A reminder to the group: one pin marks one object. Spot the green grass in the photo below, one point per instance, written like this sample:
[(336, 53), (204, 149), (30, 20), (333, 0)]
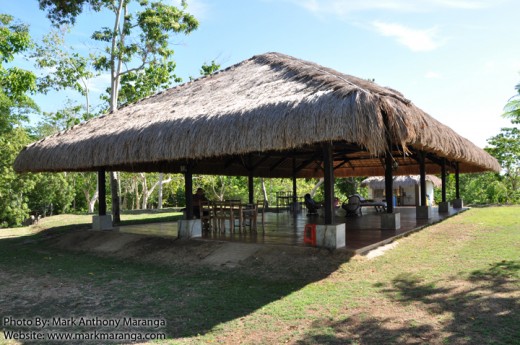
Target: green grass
[(457, 282), (74, 221), (150, 216)]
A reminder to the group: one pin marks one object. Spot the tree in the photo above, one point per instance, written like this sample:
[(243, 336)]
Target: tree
[(15, 82), (209, 69), (136, 49), (505, 147), (14, 208), (512, 108), (70, 70)]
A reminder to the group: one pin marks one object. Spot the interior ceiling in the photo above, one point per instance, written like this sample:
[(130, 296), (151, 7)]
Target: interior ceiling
[(304, 162)]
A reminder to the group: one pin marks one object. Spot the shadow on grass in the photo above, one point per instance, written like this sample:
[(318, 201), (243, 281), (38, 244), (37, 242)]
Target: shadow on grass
[(158, 219), (39, 280), (483, 308)]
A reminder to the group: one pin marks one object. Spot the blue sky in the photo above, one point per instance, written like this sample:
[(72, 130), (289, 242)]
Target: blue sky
[(458, 60)]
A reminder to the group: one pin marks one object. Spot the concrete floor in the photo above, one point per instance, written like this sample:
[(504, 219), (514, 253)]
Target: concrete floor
[(363, 233)]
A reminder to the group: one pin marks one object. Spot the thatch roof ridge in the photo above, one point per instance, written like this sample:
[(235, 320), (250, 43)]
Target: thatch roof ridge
[(304, 68), (268, 102)]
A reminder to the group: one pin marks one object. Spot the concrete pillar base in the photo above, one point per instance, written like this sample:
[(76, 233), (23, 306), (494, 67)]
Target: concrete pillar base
[(190, 228), (330, 236), (444, 207), (391, 221), (423, 212), (458, 203), (102, 222)]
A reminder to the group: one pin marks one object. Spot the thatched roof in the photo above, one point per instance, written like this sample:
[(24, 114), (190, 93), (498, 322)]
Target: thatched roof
[(266, 115), (378, 182)]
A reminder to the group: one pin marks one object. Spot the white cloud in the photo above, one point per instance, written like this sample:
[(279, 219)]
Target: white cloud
[(99, 83), (344, 7), (197, 8), (415, 40), (433, 75)]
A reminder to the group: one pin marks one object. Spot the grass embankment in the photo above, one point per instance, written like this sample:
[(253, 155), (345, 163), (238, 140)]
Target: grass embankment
[(457, 282), (83, 221)]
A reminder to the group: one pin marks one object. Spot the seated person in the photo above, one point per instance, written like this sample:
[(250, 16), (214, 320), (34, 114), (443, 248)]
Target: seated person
[(312, 206), (197, 198)]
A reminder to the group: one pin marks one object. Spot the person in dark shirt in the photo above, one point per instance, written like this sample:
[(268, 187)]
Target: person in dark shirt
[(197, 198)]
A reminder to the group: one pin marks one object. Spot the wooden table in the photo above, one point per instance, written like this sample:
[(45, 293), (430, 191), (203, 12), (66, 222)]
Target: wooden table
[(231, 211)]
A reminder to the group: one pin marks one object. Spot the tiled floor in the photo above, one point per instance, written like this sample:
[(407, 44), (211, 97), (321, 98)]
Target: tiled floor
[(362, 232)]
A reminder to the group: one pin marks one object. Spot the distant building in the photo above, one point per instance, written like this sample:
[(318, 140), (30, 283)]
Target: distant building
[(407, 189)]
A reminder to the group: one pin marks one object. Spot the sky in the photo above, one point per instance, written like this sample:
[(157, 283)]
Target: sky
[(458, 60)]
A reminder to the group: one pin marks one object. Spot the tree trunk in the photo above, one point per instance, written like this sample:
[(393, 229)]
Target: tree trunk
[(137, 196), (91, 201), (145, 193), (316, 186), (159, 191), (114, 189), (114, 84), (264, 192)]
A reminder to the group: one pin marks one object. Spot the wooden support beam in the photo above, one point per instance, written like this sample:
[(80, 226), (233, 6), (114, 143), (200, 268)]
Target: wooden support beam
[(443, 179), (230, 161), (422, 173), (277, 163), (389, 165), (389, 183), (102, 193), (305, 163), (457, 181), (341, 164), (328, 183), (294, 187), (259, 162)]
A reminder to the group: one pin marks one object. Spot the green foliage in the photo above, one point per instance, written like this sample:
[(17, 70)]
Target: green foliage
[(348, 186), (15, 83), (136, 52), (14, 39), (65, 12), (60, 120), (137, 85), (505, 147), (512, 108), (69, 68), (141, 42), (209, 69), (52, 194), (14, 207)]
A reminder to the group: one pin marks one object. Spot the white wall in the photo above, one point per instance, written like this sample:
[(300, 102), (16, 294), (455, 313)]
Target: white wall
[(408, 196)]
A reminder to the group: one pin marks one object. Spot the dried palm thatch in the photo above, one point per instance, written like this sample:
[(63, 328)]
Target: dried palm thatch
[(271, 103), (378, 182)]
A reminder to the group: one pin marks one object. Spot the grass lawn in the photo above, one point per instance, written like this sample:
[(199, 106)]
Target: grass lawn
[(457, 282)]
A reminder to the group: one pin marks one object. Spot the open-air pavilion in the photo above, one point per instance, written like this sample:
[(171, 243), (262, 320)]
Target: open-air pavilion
[(269, 116)]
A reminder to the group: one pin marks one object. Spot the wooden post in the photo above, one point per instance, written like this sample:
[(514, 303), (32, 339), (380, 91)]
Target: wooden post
[(389, 183), (457, 182), (422, 172), (102, 193), (443, 179), (328, 183), (294, 190), (251, 188), (188, 192)]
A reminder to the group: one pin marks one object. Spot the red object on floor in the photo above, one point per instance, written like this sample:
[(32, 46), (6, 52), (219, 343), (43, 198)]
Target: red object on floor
[(309, 234)]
